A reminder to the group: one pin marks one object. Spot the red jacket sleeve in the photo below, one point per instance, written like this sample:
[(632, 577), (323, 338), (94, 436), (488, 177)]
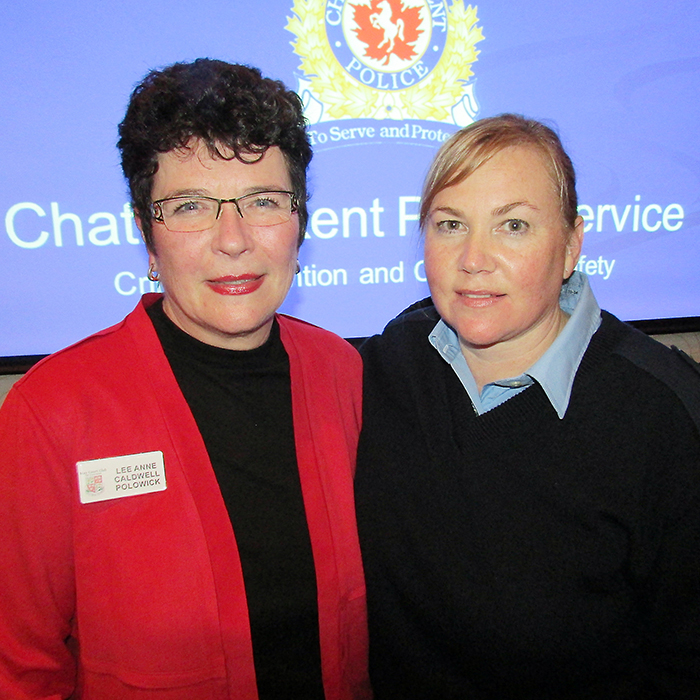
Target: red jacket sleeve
[(36, 576)]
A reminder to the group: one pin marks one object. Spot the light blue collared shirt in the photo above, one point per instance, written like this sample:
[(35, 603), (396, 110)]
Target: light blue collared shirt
[(555, 371)]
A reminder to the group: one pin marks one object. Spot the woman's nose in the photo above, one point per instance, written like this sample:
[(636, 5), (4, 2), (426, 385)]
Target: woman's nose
[(233, 234), (476, 255)]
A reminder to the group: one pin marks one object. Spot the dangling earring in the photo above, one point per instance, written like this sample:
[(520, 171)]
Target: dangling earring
[(153, 273), (298, 270)]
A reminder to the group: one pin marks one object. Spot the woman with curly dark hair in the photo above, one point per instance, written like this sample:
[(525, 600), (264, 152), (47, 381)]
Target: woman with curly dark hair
[(193, 536)]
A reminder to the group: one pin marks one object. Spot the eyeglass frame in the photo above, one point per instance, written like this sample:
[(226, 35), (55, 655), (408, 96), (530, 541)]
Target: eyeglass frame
[(157, 209)]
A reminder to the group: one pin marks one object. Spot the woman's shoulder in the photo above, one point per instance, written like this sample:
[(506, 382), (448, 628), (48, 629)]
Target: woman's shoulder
[(647, 353), (107, 353), (402, 356), (407, 333), (309, 337), (656, 363)]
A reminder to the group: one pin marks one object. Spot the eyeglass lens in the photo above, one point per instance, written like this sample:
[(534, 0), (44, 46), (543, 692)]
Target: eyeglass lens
[(199, 213)]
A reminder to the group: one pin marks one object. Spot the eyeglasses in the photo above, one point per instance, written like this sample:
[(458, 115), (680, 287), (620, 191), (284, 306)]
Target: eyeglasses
[(186, 214)]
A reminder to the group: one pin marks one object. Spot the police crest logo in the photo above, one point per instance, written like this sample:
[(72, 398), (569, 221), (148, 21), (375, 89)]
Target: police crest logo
[(386, 59), (386, 39)]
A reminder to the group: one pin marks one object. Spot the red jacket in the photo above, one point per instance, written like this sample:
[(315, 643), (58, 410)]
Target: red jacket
[(145, 593)]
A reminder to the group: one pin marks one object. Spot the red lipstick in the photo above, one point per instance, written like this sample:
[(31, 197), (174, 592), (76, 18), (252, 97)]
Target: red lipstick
[(235, 285)]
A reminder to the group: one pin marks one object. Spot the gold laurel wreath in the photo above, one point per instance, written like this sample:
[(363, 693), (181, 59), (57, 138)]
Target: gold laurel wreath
[(347, 98)]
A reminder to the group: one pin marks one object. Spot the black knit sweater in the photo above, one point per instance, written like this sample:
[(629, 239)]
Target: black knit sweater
[(242, 404), (517, 555)]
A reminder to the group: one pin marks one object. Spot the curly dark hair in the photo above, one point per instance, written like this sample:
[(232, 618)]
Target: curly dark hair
[(222, 104)]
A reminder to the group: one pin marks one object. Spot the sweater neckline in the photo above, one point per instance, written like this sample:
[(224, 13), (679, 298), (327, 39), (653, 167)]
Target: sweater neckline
[(177, 342)]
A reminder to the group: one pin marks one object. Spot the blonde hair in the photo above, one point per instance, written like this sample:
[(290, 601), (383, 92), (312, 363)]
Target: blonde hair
[(477, 143)]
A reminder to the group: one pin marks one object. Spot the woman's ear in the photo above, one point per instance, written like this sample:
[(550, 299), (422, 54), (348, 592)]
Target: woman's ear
[(139, 225), (573, 247)]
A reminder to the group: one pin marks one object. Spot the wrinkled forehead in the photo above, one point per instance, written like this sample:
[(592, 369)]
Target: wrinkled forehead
[(197, 164)]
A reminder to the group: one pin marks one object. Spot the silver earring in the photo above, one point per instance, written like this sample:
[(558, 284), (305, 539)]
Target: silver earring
[(153, 273), (298, 270)]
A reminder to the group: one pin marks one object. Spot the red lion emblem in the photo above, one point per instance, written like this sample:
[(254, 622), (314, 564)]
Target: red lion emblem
[(387, 27)]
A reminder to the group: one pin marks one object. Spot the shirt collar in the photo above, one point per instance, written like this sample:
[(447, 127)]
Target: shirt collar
[(556, 370)]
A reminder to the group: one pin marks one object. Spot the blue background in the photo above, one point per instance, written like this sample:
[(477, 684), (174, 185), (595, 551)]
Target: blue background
[(621, 82)]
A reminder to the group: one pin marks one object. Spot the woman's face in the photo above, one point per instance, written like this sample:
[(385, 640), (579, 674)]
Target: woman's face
[(223, 285), (496, 253)]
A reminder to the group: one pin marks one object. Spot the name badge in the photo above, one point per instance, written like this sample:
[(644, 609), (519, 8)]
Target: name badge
[(116, 477)]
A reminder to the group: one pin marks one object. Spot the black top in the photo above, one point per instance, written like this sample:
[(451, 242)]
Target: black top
[(242, 404), (517, 555)]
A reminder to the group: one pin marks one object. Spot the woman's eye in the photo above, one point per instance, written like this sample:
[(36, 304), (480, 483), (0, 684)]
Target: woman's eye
[(188, 206), (266, 201), (450, 226), (516, 226)]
